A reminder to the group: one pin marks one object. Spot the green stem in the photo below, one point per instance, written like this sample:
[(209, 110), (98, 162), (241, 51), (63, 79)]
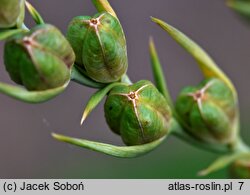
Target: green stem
[(215, 148), (103, 5), (80, 78), (5, 34)]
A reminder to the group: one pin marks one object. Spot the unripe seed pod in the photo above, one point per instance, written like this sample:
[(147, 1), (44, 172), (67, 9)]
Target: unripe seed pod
[(11, 13), (209, 111), (240, 169), (100, 46), (139, 113), (40, 59)]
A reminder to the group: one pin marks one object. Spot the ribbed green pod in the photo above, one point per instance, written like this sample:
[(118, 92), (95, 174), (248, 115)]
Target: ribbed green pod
[(139, 113), (11, 13), (100, 46), (209, 111), (40, 59)]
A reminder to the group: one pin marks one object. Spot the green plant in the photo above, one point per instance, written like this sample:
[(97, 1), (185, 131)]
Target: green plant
[(241, 7), (143, 114)]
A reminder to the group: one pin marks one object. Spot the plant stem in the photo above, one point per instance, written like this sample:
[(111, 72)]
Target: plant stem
[(215, 148), (239, 146), (80, 78)]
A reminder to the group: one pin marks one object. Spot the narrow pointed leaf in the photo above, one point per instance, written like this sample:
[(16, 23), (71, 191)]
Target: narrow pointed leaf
[(24, 27), (206, 63), (103, 5), (30, 96), (96, 98), (242, 7), (5, 34), (222, 162), (82, 79), (117, 151), (158, 73), (34, 13)]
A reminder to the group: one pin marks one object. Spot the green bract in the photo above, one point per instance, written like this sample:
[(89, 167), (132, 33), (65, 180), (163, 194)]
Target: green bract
[(40, 59), (209, 111), (240, 169), (100, 46), (242, 7), (139, 113), (11, 13)]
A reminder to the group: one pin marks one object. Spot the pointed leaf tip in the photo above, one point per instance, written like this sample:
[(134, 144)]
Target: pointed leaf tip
[(54, 135), (202, 173), (34, 13), (207, 65), (152, 18), (151, 41), (84, 116), (112, 150), (96, 98), (24, 95), (222, 162)]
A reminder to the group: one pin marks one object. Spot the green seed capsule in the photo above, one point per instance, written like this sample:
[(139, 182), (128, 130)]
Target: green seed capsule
[(11, 13), (100, 46), (139, 113), (240, 169), (40, 59), (209, 111)]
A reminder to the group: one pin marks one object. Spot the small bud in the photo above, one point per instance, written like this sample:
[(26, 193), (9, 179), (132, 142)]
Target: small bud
[(11, 13), (40, 59), (209, 111), (139, 113), (240, 169), (100, 46)]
